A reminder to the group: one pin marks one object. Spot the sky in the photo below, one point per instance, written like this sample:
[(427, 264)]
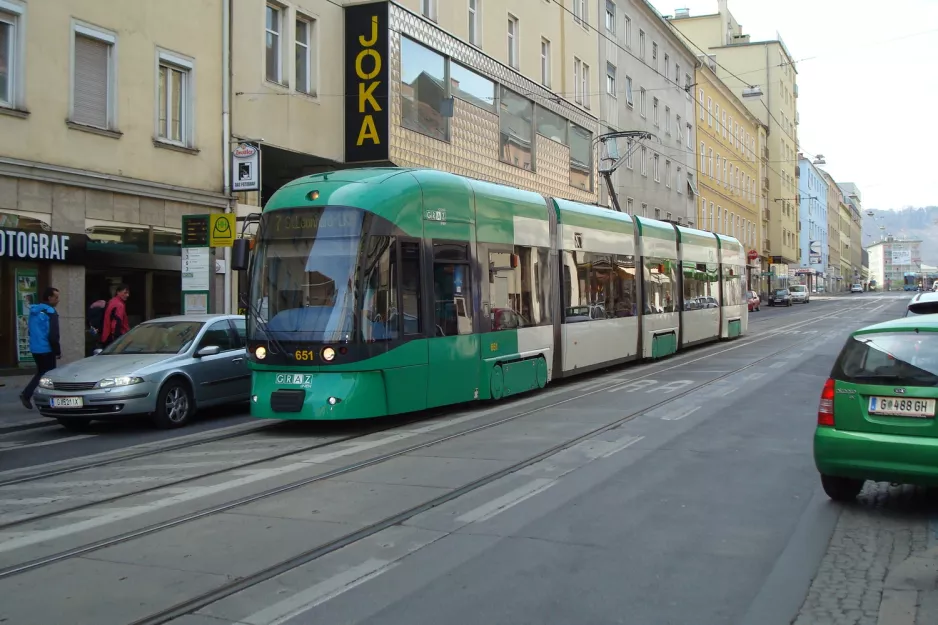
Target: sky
[(867, 87)]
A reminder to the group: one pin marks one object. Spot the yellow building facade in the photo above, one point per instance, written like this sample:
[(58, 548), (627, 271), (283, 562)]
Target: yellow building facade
[(728, 162)]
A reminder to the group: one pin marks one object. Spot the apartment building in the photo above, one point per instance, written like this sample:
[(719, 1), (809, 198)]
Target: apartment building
[(835, 281), (648, 73), (763, 75), (502, 92), (892, 259), (111, 118), (814, 230), (728, 152)]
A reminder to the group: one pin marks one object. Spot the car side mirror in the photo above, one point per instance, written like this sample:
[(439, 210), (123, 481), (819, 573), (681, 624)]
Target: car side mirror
[(97, 351), (209, 350)]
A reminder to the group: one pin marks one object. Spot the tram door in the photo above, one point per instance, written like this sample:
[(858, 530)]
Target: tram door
[(454, 348)]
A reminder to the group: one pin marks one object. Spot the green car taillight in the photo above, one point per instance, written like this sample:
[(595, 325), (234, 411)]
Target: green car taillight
[(825, 409)]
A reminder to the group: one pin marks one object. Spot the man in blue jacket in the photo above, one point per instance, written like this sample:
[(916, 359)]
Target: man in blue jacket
[(43, 340)]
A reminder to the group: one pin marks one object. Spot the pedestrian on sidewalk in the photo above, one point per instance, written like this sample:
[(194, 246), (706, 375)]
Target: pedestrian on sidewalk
[(116, 323), (44, 340)]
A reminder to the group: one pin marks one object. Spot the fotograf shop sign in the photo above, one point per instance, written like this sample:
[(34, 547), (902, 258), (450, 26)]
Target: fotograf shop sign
[(366, 83), (245, 168), (29, 245)]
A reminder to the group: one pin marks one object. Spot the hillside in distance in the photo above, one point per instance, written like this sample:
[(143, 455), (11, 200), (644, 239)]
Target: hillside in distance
[(905, 223)]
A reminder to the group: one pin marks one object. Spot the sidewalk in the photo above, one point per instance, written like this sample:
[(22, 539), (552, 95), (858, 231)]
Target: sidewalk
[(13, 416)]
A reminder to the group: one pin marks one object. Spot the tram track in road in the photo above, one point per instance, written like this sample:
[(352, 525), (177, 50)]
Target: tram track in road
[(307, 556), (169, 449)]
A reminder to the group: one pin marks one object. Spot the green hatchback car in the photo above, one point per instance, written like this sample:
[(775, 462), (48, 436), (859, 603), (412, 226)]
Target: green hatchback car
[(876, 418)]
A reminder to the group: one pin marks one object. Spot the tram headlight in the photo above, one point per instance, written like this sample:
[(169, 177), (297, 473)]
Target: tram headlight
[(261, 352), (328, 354), (333, 401)]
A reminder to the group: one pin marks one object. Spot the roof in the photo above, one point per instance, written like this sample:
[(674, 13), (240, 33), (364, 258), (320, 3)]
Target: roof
[(903, 324), (924, 296)]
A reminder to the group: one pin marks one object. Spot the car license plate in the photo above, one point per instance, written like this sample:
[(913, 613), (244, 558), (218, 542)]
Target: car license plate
[(902, 407), (66, 402)]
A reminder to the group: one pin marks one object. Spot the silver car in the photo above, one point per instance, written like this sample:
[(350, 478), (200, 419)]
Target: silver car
[(166, 368)]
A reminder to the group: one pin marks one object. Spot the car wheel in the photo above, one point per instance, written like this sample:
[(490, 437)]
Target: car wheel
[(841, 488), (75, 425), (174, 405)]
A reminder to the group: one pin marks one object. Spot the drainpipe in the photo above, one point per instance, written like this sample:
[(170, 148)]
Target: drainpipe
[(226, 133)]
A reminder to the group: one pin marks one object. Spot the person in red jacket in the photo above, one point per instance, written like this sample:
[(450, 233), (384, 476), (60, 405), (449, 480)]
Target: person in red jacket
[(116, 323)]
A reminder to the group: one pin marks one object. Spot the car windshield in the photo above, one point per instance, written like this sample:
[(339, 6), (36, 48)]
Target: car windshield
[(781, 292), (922, 308), (900, 358), (798, 289), (156, 337), (324, 274)]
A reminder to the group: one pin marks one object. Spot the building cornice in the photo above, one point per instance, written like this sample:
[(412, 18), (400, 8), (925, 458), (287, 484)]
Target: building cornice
[(57, 174)]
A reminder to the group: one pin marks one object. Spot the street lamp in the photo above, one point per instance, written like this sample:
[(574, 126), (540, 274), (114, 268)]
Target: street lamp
[(819, 160), (752, 91)]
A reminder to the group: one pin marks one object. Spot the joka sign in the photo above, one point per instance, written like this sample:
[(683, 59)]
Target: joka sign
[(366, 83)]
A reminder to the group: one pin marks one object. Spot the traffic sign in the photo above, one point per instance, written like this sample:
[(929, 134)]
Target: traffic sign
[(222, 230)]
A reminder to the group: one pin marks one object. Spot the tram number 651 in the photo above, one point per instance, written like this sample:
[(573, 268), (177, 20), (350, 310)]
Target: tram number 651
[(304, 355)]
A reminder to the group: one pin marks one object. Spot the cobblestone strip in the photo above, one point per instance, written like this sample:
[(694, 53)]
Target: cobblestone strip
[(872, 537)]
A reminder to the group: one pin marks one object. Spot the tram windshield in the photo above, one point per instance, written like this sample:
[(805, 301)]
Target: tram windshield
[(322, 275)]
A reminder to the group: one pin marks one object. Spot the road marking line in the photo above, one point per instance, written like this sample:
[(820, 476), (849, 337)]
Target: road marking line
[(625, 442), (755, 375), (84, 483), (320, 593), (778, 364), (680, 416), (17, 446), (505, 502)]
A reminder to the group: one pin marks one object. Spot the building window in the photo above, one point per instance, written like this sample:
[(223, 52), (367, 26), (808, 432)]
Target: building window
[(93, 101), (545, 62), (724, 124), (274, 63), (641, 44), (630, 206), (611, 16), (551, 125), (513, 41), (677, 74), (581, 158), (11, 57), (305, 72), (710, 112), (654, 55), (516, 126), (628, 91), (710, 163), (428, 8), (703, 158), (474, 23), (585, 85), (689, 136), (654, 110), (644, 209), (422, 92), (667, 65), (657, 172), (628, 32), (667, 120), (700, 98), (644, 161), (667, 173), (657, 213), (641, 101), (610, 79), (577, 68), (580, 11), (175, 99), (677, 181)]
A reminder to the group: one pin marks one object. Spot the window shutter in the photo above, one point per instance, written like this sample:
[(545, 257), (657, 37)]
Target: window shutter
[(91, 81)]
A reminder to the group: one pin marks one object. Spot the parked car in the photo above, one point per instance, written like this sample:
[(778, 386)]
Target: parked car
[(856, 288), (925, 303), (876, 418), (165, 368), (780, 297), (754, 301), (799, 294)]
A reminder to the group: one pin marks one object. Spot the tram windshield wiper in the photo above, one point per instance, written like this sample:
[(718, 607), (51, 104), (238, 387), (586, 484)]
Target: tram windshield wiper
[(278, 346)]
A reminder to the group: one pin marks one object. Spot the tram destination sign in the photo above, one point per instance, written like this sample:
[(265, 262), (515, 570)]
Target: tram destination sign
[(195, 230), (28, 245)]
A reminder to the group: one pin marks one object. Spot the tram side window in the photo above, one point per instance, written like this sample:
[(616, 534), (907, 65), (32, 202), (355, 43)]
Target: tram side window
[(598, 286), (452, 299), (733, 285), (701, 286), (519, 288), (379, 315), (410, 288), (660, 286)]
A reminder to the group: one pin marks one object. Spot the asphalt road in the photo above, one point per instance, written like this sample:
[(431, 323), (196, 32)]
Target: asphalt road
[(677, 492)]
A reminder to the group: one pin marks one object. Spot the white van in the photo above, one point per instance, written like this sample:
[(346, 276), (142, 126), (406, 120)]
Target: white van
[(799, 294)]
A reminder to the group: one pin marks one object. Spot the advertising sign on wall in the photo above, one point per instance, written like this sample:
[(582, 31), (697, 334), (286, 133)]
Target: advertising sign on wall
[(367, 67), (902, 257), (27, 294)]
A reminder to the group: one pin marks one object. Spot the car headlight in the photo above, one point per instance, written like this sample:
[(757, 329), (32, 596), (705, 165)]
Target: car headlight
[(46, 383), (124, 380)]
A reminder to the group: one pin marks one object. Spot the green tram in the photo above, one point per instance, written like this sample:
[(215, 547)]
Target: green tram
[(387, 290)]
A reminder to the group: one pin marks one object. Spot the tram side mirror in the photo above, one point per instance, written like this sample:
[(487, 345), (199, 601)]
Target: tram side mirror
[(240, 254)]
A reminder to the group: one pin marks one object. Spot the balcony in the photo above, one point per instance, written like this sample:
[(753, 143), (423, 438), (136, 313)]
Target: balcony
[(765, 183), (766, 214)]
